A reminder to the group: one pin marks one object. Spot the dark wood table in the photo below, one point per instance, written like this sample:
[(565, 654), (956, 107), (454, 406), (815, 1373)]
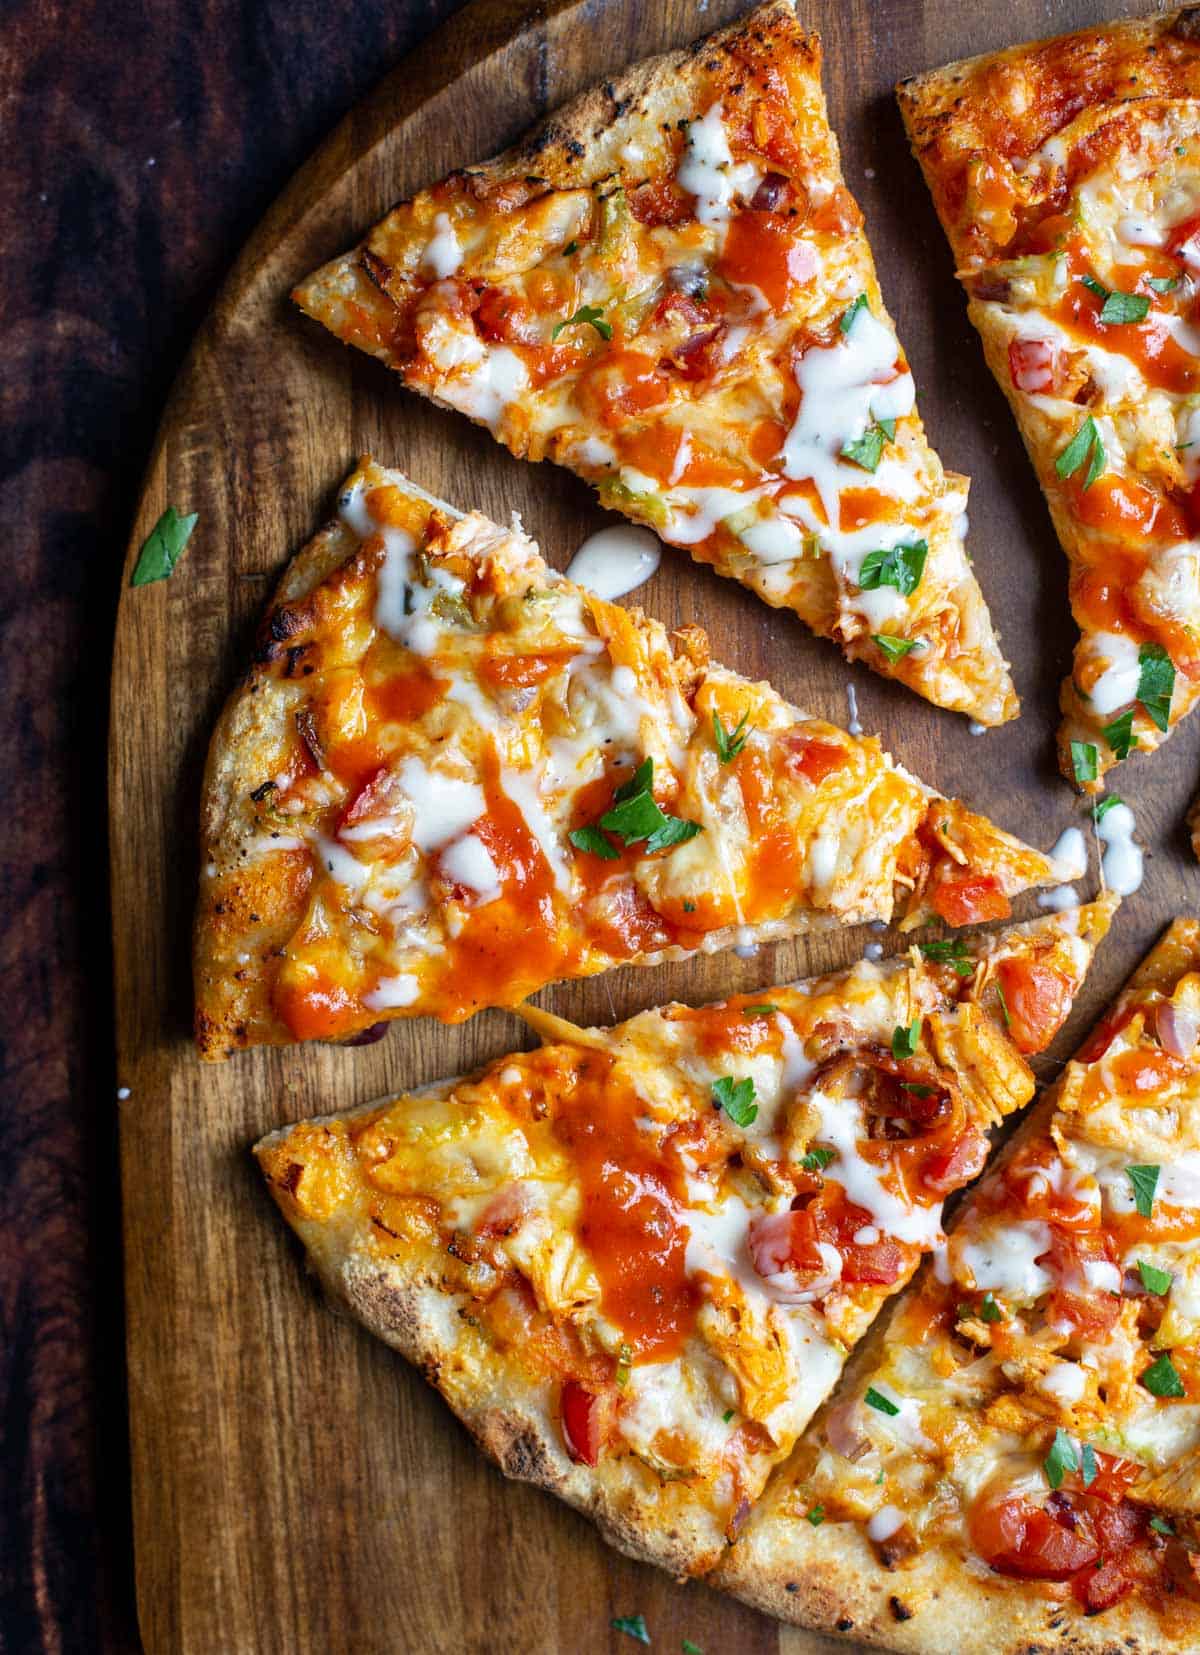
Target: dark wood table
[(142, 143)]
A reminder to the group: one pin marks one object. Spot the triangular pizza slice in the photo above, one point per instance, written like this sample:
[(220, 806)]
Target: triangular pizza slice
[(1067, 177), (667, 288), (442, 747), (633, 1260), (1014, 1462)]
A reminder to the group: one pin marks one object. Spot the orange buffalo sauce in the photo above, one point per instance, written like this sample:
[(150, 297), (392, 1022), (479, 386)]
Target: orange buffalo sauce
[(762, 250), (315, 1005), (1159, 356), (630, 1216)]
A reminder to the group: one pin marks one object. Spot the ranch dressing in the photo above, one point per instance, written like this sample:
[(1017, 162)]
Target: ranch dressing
[(614, 561), (1121, 863)]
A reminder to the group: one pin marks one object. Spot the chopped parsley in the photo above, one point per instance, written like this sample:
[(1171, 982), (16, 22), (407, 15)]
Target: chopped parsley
[(592, 315), (163, 547), (1084, 761), (1163, 284), (1087, 1464), (1060, 1459), (730, 742), (882, 1404), (591, 839), (952, 953), (1003, 1007), (850, 314), (689, 907), (1154, 1280), (634, 816), (867, 450), (1156, 683), (894, 648), (763, 1010), (1119, 734), (1086, 442), (1118, 307), (816, 1160), (1161, 1526), (634, 1626), (1145, 1182), (904, 1040), (898, 566), (1161, 1378), (816, 1516), (1109, 802), (727, 1415), (571, 247), (736, 1098), (989, 1310), (689, 1648)]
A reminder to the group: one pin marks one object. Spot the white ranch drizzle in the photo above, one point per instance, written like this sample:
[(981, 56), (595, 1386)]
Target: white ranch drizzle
[(1121, 865), (615, 560)]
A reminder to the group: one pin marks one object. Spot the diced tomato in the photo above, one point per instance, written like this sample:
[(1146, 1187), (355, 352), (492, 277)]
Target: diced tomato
[(814, 759), (660, 202), (1091, 1308), (583, 1420), (1035, 1179), (1016, 1537), (1038, 999), (786, 1242), (505, 316), (1033, 364), (1145, 1072), (965, 898), (623, 383), (838, 1221), (949, 1169)]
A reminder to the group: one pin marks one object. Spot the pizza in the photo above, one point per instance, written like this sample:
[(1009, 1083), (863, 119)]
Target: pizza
[(633, 1260), (441, 745), (1065, 175), (1014, 1463), (666, 287)]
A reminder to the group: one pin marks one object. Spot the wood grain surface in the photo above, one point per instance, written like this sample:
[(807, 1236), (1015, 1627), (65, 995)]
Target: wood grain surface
[(295, 1486)]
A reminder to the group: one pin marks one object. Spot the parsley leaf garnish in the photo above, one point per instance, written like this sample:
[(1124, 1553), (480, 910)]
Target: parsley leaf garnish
[(1084, 761), (1161, 1526), (1003, 1007), (867, 450), (591, 839), (634, 1626), (817, 1160), (727, 1415), (1118, 307), (1119, 734), (816, 1516), (763, 1010), (882, 1404), (953, 953), (904, 1040), (1161, 1378), (1154, 1280), (894, 648), (898, 566), (1085, 442), (634, 816), (1109, 802), (1163, 284), (850, 314), (1060, 1459), (730, 742), (1156, 683), (163, 547), (736, 1098), (689, 1648), (593, 315), (989, 1310), (1145, 1182), (1087, 1467)]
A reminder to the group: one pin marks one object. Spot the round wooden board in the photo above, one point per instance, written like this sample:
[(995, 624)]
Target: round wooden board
[(296, 1487)]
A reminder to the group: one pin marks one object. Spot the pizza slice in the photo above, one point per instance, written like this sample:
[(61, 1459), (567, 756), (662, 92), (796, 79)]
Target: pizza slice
[(633, 1260), (666, 287), (1067, 177), (1015, 1462), (443, 746)]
